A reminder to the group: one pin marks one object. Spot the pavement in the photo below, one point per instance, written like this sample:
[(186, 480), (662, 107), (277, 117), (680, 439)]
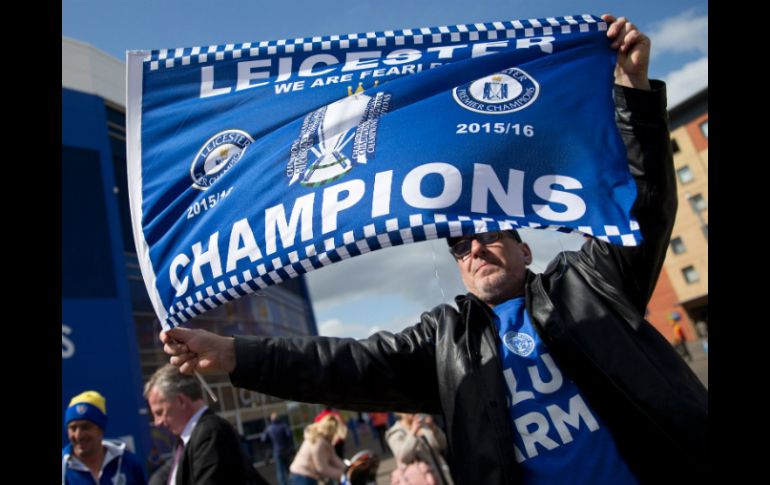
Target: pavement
[(700, 361), (387, 465)]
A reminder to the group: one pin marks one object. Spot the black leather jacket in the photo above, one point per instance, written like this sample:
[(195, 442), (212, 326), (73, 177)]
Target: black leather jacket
[(588, 308)]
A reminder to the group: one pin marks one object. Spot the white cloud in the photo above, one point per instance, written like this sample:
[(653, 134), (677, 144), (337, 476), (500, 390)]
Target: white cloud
[(359, 330), (685, 33), (546, 245), (333, 328), (423, 273), (408, 271), (686, 81)]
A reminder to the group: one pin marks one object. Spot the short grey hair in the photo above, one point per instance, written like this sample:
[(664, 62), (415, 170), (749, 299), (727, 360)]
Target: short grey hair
[(170, 382)]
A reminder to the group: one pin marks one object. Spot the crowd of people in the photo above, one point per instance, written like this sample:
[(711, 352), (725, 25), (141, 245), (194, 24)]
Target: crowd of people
[(207, 447)]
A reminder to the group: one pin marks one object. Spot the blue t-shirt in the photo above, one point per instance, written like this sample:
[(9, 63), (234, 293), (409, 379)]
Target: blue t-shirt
[(558, 438)]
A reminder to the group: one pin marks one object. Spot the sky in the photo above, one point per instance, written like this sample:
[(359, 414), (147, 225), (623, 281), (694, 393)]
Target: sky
[(386, 289)]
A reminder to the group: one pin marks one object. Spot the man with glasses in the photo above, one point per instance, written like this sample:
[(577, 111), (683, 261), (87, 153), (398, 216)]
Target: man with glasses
[(540, 378), (493, 265)]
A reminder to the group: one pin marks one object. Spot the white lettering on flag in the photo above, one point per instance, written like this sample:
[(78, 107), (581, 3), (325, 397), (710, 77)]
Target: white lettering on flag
[(236, 164)]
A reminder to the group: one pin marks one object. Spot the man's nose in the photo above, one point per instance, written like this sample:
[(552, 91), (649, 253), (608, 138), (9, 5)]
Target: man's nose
[(476, 247)]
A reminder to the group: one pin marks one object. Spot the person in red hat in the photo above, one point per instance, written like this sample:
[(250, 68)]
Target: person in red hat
[(338, 442)]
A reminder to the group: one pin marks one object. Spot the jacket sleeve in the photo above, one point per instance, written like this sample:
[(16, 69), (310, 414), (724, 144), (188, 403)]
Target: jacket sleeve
[(642, 120), (383, 372)]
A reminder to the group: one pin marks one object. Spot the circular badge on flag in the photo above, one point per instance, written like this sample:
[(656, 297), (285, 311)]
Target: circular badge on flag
[(519, 343), (217, 156), (500, 93)]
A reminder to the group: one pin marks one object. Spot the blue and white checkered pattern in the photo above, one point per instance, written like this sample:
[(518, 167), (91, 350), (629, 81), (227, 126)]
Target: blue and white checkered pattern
[(394, 195), (490, 31), (378, 235)]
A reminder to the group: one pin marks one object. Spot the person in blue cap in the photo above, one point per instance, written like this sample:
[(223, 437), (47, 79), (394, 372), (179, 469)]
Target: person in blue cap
[(89, 458)]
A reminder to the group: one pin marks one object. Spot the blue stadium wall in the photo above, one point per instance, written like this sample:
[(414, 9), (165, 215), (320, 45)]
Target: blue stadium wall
[(99, 347)]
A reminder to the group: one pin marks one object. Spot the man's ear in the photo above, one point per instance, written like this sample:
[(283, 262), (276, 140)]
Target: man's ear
[(527, 253)]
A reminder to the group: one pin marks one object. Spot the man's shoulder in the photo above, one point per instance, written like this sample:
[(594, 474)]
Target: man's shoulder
[(210, 422), (397, 427), (431, 320), (211, 419), (443, 310)]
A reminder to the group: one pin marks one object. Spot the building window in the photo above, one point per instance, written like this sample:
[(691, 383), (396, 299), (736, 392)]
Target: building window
[(704, 128), (677, 246), (674, 146), (698, 203), (706, 231), (690, 274), (685, 175)]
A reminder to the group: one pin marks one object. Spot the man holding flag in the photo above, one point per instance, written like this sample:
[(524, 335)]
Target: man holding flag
[(540, 378)]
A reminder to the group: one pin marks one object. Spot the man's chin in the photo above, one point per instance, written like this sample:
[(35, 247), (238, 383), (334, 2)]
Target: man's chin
[(81, 450), (490, 282), (494, 289)]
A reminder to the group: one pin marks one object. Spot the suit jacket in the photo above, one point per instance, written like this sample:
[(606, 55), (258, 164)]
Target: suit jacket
[(213, 456)]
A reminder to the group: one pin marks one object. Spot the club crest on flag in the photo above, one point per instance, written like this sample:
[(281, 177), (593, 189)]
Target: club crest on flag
[(499, 93), (217, 156), (326, 134)]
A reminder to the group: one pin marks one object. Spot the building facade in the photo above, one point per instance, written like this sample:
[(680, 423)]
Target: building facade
[(682, 291), (109, 329)]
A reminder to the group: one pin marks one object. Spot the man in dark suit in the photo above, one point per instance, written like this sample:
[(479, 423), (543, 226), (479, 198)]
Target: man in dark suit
[(208, 449)]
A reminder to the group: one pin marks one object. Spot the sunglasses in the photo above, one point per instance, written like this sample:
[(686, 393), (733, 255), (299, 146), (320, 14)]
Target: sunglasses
[(462, 248)]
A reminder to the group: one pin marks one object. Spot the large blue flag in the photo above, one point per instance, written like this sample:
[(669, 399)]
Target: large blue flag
[(252, 163)]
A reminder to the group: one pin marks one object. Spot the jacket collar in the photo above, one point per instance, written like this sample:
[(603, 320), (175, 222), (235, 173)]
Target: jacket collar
[(112, 450), (188, 429)]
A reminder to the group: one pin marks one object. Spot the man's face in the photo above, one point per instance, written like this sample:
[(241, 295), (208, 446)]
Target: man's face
[(495, 272), (85, 436), (172, 413)]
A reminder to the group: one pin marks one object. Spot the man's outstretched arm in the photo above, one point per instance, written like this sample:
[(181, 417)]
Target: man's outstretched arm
[(385, 371)]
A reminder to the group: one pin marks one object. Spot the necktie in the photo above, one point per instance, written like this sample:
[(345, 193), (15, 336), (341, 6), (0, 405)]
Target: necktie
[(175, 465)]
